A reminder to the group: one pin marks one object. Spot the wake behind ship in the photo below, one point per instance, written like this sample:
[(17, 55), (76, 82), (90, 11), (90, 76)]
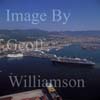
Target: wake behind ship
[(72, 61)]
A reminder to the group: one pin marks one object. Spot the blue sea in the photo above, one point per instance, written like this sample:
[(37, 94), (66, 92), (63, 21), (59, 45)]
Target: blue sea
[(45, 68)]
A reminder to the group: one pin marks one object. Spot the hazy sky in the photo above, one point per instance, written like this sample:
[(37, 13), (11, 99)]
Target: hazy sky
[(85, 14)]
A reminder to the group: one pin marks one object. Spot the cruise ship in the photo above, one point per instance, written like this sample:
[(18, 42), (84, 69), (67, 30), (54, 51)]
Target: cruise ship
[(15, 55), (72, 61)]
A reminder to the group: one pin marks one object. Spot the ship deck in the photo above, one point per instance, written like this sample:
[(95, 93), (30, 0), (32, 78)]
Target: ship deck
[(72, 60), (30, 95)]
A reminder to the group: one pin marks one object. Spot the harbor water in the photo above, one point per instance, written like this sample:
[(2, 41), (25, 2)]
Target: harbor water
[(46, 70)]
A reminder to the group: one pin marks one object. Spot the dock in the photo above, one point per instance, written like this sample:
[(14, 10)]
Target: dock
[(29, 95)]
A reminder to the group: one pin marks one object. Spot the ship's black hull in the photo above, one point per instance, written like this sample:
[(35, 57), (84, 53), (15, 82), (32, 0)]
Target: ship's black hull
[(73, 64)]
